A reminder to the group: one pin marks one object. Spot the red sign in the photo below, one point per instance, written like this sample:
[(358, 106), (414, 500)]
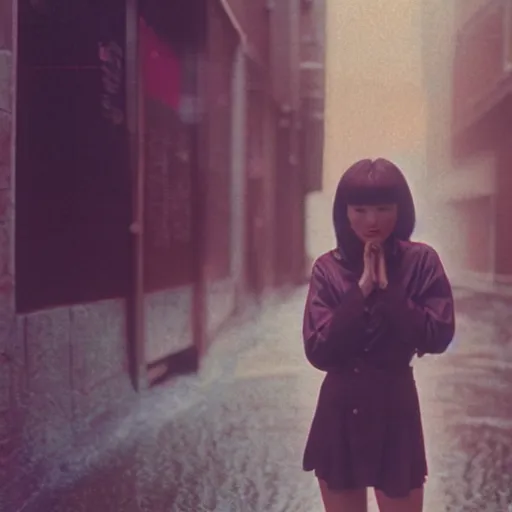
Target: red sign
[(161, 68)]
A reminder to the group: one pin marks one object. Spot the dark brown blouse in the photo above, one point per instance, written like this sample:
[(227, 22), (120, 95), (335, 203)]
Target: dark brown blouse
[(367, 427)]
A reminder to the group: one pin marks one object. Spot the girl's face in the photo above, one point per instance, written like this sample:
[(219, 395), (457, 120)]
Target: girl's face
[(372, 223)]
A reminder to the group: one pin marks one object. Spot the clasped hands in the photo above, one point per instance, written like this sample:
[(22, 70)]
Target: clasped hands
[(374, 273)]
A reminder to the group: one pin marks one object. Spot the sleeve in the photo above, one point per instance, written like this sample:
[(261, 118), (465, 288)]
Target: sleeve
[(428, 319), (331, 325)]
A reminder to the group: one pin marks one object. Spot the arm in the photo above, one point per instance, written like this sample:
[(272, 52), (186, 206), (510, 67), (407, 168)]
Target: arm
[(331, 326), (428, 320)]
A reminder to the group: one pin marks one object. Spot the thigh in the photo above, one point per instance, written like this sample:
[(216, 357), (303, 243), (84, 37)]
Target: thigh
[(343, 501), (412, 503)]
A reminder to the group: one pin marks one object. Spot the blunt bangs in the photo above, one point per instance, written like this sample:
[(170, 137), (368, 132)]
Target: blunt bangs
[(369, 182)]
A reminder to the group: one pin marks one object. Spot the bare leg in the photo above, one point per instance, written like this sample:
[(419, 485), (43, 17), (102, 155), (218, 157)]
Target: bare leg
[(412, 503), (343, 501)]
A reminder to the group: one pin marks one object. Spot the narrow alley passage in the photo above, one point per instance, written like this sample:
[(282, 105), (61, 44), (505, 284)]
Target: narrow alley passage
[(156, 160), (232, 438)]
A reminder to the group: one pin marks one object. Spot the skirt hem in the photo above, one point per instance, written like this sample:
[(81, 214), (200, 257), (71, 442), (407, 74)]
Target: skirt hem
[(392, 494)]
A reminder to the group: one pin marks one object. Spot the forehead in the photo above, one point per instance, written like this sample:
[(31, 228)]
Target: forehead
[(372, 206)]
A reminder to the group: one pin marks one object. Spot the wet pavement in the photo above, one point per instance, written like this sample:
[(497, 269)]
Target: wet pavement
[(231, 439)]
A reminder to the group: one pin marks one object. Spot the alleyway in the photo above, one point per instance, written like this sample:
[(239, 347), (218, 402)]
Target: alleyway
[(232, 439)]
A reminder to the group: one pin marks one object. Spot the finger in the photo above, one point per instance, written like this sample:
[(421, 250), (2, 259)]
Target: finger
[(376, 251), (377, 268), (367, 249), (373, 268), (383, 278), (371, 271), (367, 255)]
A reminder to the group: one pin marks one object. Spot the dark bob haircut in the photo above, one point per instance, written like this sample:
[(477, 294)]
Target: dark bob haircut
[(373, 182)]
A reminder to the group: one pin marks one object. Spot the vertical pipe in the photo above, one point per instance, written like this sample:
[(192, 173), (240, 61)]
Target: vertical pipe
[(238, 175), (199, 193), (135, 129), (198, 200)]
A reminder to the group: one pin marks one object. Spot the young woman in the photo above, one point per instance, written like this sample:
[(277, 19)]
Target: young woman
[(374, 302)]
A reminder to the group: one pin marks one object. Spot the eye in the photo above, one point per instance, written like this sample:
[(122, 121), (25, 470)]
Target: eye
[(385, 208), (360, 209)]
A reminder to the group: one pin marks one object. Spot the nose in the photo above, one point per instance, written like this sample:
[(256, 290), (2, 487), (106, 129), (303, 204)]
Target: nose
[(371, 219)]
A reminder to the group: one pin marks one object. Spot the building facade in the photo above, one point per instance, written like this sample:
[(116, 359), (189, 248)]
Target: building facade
[(161, 175), (481, 133), (469, 88)]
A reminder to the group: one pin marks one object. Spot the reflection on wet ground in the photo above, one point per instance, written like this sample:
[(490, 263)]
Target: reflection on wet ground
[(232, 439)]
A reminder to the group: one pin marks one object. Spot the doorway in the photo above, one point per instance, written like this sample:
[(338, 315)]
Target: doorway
[(171, 39)]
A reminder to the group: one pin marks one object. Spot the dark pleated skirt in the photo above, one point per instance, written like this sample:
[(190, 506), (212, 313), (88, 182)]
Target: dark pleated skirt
[(367, 431)]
